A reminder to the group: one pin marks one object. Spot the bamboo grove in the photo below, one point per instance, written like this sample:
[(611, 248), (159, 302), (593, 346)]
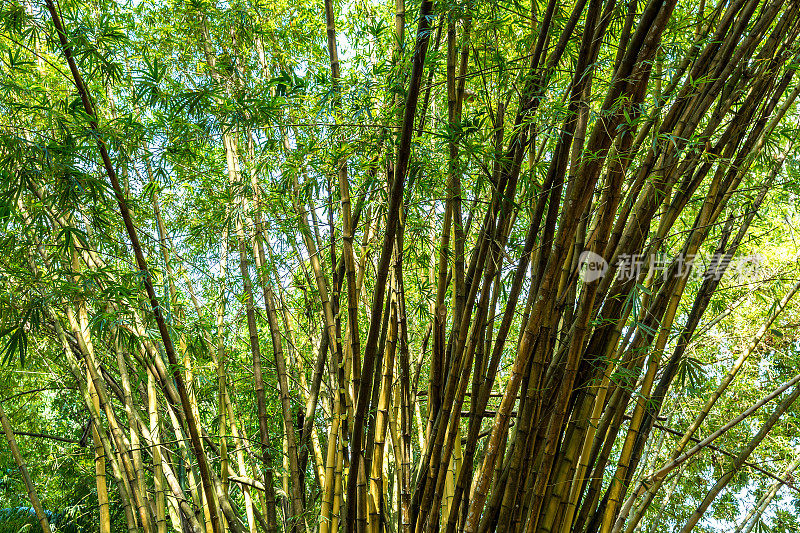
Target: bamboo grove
[(322, 267)]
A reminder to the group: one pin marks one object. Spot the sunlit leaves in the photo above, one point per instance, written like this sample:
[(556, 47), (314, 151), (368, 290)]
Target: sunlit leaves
[(12, 16), (15, 337), (148, 80), (691, 373)]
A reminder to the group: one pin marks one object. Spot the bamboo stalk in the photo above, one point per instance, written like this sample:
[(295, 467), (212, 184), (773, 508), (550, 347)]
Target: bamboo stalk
[(140, 261), (395, 200), (23, 470), (255, 350), (158, 472)]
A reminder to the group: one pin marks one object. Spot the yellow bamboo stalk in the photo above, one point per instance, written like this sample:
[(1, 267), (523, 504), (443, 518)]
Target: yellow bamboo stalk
[(183, 449), (376, 488), (338, 484), (241, 437), (23, 470), (332, 470), (99, 467), (80, 329), (99, 454), (304, 389), (158, 472), (95, 417)]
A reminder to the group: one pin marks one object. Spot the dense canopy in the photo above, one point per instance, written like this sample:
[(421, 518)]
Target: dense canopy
[(410, 266)]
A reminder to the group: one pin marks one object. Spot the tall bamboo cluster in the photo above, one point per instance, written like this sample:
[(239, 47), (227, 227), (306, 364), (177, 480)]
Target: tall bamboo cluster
[(525, 397)]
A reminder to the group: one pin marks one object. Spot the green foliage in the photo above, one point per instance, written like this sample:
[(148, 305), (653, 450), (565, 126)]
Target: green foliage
[(173, 81)]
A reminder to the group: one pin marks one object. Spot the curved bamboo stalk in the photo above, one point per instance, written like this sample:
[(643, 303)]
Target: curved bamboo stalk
[(23, 470)]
